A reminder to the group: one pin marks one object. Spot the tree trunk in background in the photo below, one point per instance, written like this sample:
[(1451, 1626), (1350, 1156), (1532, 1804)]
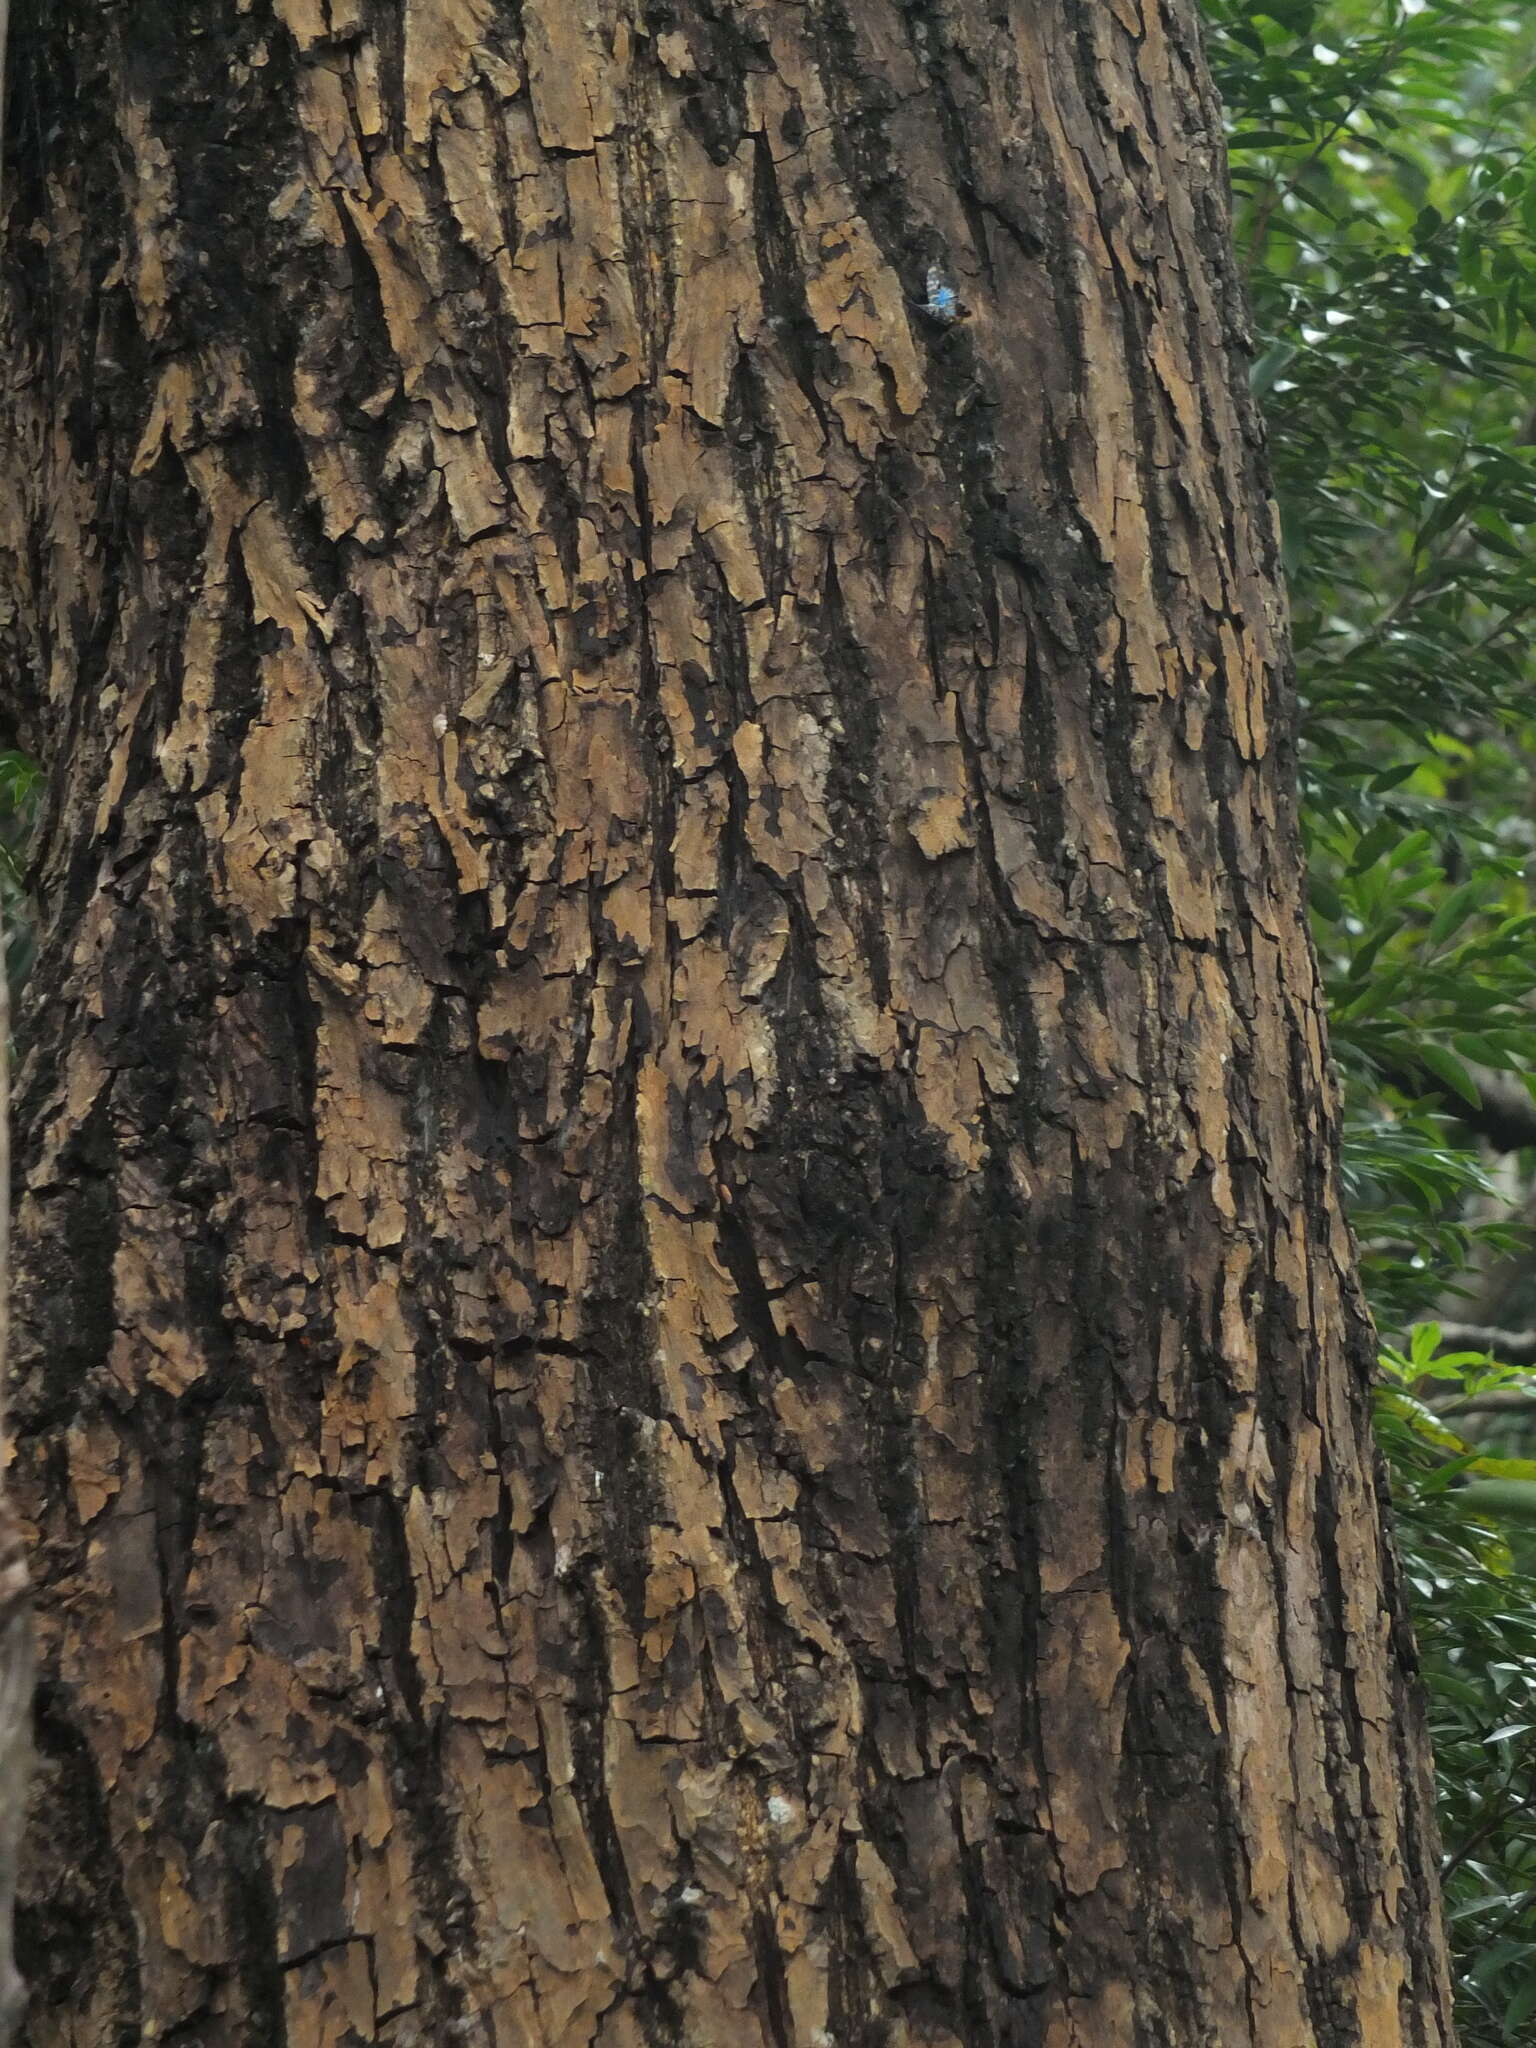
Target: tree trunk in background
[(687, 1365)]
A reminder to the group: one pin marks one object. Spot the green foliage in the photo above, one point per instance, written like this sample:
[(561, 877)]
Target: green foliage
[(1384, 161), (18, 802), (1469, 1550), (18, 790)]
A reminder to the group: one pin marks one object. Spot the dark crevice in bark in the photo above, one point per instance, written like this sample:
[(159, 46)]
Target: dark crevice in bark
[(415, 1743), (78, 1935)]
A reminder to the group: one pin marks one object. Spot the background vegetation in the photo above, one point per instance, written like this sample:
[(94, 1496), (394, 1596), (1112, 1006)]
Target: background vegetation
[(1384, 157)]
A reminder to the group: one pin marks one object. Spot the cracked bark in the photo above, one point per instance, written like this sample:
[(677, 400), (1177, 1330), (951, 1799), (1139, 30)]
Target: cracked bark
[(687, 1362), (17, 1668), (17, 1665)]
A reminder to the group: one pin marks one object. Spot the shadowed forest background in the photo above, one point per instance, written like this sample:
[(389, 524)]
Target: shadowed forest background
[(1384, 164)]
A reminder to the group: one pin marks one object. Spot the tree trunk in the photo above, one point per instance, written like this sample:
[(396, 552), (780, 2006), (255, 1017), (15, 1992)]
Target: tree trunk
[(687, 1362), (17, 1661), (17, 1670)]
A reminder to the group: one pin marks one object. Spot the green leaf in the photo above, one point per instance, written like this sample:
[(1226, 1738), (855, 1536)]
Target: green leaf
[(1454, 912), (1521, 2006), (1445, 1066)]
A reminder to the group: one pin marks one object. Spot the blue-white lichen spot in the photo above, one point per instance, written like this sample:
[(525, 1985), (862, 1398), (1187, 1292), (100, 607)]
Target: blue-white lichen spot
[(942, 302)]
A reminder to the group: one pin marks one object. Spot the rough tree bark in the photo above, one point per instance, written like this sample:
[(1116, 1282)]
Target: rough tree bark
[(17, 1667), (687, 1362)]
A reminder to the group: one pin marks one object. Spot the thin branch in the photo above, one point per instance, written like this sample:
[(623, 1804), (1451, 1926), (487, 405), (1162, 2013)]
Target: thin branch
[(1504, 1113), (1507, 1403), (1510, 1347), (1501, 1815)]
